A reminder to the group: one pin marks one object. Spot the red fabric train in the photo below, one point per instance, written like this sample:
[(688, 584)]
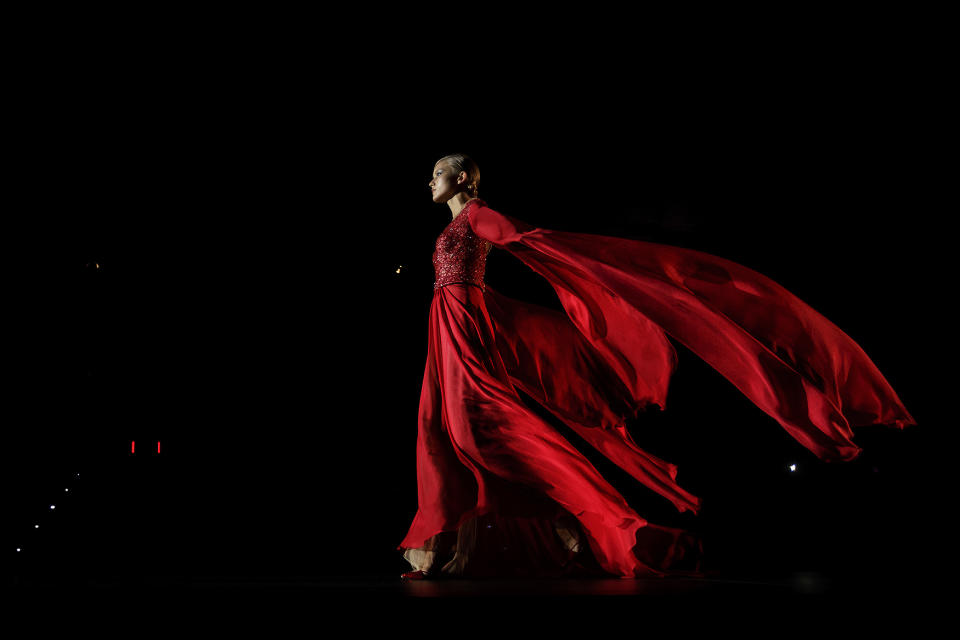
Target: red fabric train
[(519, 496)]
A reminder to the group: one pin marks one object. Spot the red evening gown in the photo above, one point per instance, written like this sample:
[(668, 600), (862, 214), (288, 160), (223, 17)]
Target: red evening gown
[(502, 492)]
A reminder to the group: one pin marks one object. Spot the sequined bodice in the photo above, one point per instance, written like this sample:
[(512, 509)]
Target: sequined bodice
[(461, 255)]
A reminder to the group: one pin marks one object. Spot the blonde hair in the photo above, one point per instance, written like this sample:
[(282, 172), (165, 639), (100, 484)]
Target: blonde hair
[(462, 162)]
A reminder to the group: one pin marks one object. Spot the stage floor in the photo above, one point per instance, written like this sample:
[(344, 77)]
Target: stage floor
[(385, 603), (391, 586)]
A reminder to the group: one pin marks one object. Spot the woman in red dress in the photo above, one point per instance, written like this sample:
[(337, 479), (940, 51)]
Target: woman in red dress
[(500, 490)]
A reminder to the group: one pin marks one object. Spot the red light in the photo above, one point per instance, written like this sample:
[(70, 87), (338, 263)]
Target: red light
[(133, 446), (158, 446)]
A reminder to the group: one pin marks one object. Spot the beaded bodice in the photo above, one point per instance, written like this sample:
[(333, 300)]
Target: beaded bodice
[(461, 255)]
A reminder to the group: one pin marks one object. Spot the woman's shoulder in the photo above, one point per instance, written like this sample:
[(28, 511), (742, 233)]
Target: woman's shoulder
[(473, 203)]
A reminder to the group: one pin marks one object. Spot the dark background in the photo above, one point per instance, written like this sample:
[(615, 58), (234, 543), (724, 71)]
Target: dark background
[(207, 256)]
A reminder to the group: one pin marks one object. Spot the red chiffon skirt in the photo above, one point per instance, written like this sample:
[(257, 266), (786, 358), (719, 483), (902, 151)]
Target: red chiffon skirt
[(500, 490)]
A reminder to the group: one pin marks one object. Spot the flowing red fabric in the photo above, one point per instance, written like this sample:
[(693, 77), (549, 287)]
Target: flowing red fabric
[(482, 452), (623, 295)]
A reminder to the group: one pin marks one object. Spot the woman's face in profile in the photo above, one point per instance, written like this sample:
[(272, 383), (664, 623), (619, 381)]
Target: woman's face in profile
[(443, 184)]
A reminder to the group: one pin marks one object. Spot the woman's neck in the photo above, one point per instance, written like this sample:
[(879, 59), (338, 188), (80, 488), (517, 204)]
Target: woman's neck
[(455, 209)]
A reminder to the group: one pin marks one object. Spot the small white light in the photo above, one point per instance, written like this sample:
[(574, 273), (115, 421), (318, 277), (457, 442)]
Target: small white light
[(53, 506), (18, 549), (67, 489), (793, 467), (36, 526)]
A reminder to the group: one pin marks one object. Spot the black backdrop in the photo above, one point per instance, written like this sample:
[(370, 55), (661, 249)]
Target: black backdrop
[(214, 264)]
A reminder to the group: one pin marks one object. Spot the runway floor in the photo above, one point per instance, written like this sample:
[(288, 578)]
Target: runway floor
[(392, 586), (384, 603)]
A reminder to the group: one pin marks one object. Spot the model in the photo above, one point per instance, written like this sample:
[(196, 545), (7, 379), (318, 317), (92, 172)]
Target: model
[(500, 490)]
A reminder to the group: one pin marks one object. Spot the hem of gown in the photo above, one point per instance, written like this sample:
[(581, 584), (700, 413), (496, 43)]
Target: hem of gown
[(579, 562), (586, 561), (476, 512)]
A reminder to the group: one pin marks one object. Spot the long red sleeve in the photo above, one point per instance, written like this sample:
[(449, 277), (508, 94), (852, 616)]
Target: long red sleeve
[(622, 296)]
